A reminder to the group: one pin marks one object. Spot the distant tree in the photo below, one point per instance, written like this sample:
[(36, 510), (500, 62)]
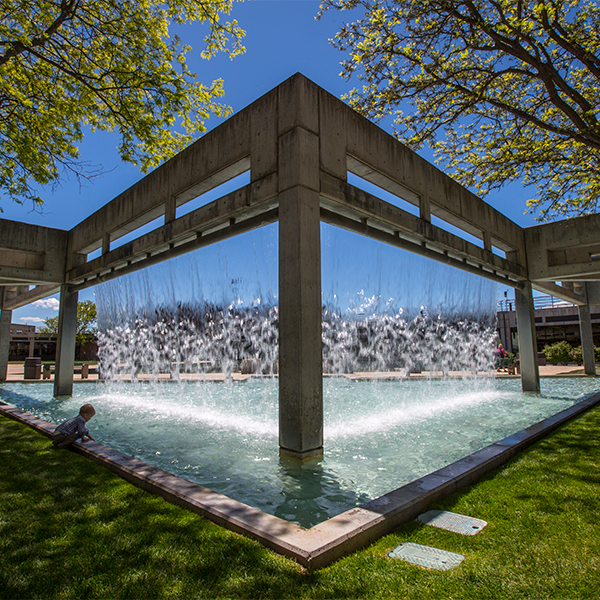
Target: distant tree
[(503, 90), (87, 325), (70, 64)]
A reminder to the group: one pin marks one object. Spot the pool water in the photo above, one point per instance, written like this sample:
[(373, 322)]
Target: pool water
[(378, 435)]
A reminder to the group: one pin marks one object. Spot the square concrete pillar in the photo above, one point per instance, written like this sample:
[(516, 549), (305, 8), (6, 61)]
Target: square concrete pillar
[(300, 362), (5, 320), (530, 372), (587, 340), (65, 346)]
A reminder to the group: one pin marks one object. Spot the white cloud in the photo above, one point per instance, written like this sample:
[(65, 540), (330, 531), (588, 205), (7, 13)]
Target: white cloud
[(51, 303), (31, 320)]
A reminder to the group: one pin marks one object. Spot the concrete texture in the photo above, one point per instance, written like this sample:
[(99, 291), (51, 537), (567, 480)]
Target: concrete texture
[(530, 376), (326, 542), (587, 339), (5, 321), (65, 347)]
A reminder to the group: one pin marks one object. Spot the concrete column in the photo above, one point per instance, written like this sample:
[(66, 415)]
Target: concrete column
[(300, 361), (5, 320), (65, 343), (530, 373), (587, 340)]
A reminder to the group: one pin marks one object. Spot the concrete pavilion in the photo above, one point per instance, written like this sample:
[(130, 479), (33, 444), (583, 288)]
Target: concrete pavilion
[(299, 143)]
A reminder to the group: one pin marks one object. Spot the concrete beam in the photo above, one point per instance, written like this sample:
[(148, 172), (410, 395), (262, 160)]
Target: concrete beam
[(563, 250), (188, 232), (564, 293), (31, 253), (382, 160), (28, 296), (340, 198), (215, 158)]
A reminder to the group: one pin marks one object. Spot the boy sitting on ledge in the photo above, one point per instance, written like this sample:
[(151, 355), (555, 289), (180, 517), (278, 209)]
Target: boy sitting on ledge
[(73, 429)]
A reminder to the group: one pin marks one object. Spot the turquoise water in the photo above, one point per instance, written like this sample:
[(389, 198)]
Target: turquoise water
[(378, 435)]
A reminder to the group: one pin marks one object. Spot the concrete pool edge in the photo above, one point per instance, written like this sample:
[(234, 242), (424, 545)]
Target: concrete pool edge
[(339, 536)]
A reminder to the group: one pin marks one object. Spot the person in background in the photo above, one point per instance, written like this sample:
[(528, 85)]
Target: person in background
[(500, 356)]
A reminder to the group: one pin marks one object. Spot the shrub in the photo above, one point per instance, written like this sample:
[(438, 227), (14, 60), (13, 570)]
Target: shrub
[(559, 352), (577, 355)]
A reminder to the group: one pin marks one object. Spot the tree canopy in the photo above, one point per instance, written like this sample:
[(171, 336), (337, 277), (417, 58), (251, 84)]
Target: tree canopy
[(86, 322), (111, 65), (503, 90)]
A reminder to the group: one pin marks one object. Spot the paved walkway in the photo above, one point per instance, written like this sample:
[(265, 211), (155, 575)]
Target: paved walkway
[(15, 373)]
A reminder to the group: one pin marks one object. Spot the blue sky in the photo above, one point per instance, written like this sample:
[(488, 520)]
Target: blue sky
[(283, 37)]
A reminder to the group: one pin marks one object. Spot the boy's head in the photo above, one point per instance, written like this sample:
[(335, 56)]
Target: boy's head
[(87, 411)]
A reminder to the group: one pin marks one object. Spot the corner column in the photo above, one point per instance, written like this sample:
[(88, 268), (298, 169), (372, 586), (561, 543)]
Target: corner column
[(300, 362), (5, 321), (530, 372), (587, 340), (65, 346)]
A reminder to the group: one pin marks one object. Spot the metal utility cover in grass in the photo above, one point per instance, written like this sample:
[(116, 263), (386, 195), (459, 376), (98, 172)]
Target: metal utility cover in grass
[(425, 556), (452, 522)]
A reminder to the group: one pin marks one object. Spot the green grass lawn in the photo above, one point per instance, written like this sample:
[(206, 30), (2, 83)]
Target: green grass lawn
[(71, 529)]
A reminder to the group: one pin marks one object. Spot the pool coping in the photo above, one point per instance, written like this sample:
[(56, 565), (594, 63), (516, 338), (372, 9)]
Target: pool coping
[(339, 536)]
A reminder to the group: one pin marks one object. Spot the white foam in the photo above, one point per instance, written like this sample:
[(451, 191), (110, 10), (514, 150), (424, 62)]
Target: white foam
[(389, 419), (149, 407)]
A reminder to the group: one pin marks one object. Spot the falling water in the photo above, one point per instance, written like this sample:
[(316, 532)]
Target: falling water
[(413, 317)]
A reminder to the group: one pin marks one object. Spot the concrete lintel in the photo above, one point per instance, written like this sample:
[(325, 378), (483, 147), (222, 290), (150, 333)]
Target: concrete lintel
[(345, 199), (330, 540), (32, 253), (332, 137), (215, 158), (450, 201), (26, 297), (168, 251), (243, 204), (459, 260), (549, 287), (567, 249)]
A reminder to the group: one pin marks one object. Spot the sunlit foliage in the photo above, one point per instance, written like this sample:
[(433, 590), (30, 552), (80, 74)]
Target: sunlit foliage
[(68, 65), (503, 90), (87, 325)]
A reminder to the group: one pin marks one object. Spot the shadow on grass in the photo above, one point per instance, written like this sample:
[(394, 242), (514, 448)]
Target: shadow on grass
[(71, 529)]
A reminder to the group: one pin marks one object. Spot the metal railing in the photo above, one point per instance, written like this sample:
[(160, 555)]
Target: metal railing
[(543, 301)]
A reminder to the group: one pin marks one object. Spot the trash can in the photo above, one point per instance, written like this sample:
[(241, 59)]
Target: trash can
[(33, 368)]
